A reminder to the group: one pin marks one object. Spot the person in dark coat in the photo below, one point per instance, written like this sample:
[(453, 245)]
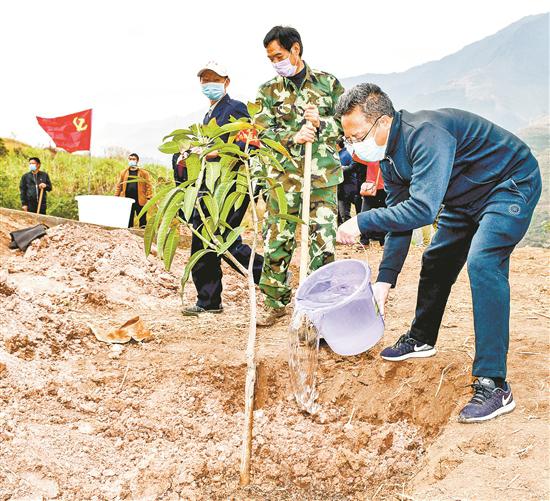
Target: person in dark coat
[(488, 182), (207, 272), (31, 184)]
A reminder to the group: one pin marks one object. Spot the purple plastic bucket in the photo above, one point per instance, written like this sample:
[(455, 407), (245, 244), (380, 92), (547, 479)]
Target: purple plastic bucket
[(338, 300)]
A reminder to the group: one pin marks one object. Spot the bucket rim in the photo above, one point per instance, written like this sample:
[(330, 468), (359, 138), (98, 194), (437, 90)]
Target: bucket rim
[(351, 297)]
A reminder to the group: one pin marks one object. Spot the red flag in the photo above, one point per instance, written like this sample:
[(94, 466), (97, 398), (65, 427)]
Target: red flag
[(71, 132)]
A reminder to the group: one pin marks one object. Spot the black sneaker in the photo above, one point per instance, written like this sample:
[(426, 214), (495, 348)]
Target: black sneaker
[(407, 347), (488, 402), (195, 311)]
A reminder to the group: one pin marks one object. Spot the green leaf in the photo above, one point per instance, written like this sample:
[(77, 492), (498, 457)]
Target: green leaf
[(213, 170), (222, 190), (183, 143), (240, 201), (177, 132), (154, 199), (222, 147), (170, 247), (212, 207), (169, 147), (289, 217), (167, 218), (189, 201), (274, 145), (193, 165), (233, 127), (281, 198), (148, 235), (228, 204), (233, 235), (163, 205), (211, 128), (268, 157), (253, 108), (190, 264), (242, 183)]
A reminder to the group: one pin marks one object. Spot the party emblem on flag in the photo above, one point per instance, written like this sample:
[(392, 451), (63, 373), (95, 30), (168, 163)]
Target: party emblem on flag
[(70, 132)]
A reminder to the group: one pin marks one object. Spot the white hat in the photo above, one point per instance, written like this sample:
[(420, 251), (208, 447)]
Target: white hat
[(215, 67)]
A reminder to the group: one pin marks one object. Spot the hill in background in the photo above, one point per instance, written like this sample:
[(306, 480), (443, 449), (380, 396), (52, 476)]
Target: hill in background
[(504, 77)]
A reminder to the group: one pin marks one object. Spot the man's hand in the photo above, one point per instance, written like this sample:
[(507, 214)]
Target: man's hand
[(311, 114), (368, 189), (348, 232), (42, 186), (381, 291), (306, 134), (25, 208)]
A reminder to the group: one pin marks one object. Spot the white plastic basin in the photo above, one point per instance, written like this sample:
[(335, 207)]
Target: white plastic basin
[(105, 210), (338, 300)]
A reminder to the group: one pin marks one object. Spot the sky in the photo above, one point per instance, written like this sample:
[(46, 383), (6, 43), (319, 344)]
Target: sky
[(136, 61)]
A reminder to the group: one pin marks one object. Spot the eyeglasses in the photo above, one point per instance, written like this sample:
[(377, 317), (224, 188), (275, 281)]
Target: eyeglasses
[(350, 141)]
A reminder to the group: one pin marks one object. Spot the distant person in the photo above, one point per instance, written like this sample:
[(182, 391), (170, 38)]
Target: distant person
[(135, 183), (30, 186), (207, 272), (373, 196), (348, 189), (488, 182)]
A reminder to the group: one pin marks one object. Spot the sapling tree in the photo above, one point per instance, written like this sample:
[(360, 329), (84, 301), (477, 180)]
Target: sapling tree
[(214, 188)]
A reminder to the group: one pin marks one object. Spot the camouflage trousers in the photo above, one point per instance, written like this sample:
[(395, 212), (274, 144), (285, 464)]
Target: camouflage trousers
[(280, 245)]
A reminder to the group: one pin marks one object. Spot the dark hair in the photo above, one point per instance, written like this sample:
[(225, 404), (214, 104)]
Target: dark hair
[(285, 35), (134, 155), (370, 98), (36, 159)]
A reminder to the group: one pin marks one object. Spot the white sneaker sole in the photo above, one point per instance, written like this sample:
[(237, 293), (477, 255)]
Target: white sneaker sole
[(414, 354), (502, 410)]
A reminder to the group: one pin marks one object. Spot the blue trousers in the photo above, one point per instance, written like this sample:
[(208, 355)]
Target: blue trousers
[(482, 234)]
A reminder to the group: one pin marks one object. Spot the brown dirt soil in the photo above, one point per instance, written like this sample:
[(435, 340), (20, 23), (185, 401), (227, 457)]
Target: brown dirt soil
[(80, 419)]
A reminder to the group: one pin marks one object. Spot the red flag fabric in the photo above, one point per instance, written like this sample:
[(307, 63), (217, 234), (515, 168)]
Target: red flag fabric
[(70, 132)]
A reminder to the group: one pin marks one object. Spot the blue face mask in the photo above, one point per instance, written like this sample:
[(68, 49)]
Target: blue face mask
[(32, 167), (132, 163), (213, 91)]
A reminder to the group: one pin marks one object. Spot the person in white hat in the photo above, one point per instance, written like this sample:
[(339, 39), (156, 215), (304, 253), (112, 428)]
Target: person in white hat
[(207, 273)]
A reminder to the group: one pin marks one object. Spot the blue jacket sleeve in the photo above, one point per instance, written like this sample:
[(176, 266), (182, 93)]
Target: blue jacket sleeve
[(431, 151)]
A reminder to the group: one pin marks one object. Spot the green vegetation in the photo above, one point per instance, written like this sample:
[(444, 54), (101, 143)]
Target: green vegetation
[(538, 138), (69, 175)]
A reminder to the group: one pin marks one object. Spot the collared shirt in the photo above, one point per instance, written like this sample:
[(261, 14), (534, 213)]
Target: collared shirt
[(283, 106)]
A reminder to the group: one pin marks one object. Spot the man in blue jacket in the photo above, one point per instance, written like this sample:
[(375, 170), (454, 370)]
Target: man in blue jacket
[(489, 183), (207, 272)]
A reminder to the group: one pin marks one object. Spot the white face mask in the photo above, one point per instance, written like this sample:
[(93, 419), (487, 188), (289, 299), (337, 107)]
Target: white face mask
[(368, 151)]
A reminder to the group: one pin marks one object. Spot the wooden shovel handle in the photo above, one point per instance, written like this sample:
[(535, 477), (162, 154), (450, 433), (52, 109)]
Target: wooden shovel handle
[(306, 197), (40, 200)]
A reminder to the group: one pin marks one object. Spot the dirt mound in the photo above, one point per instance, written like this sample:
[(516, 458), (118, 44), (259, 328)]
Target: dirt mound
[(73, 269), (80, 419)]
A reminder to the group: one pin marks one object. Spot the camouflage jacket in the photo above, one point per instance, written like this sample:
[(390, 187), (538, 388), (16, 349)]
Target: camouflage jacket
[(283, 106)]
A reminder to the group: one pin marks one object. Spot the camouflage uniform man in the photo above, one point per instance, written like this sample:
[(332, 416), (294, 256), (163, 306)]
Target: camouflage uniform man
[(298, 107)]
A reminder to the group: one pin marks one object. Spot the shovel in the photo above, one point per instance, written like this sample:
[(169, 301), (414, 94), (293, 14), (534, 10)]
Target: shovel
[(40, 200)]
